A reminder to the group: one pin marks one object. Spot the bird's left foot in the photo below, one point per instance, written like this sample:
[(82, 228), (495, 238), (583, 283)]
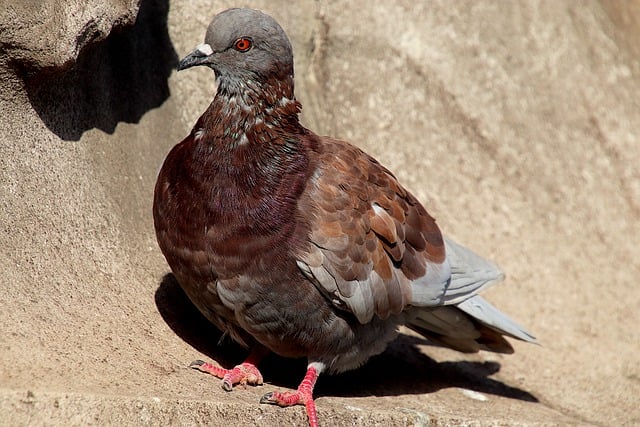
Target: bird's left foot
[(243, 374), (302, 396)]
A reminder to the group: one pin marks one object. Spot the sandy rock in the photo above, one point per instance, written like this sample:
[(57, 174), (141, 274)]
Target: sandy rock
[(39, 35)]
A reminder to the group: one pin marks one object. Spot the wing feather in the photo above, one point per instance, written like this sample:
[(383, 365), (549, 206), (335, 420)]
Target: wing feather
[(370, 239)]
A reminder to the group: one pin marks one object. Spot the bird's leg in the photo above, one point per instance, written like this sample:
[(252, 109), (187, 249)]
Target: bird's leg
[(245, 373), (302, 396)]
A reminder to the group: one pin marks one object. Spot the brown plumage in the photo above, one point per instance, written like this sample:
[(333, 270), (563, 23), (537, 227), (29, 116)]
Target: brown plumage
[(304, 245)]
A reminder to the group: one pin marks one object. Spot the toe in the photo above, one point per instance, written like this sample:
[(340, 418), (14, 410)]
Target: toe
[(287, 398)]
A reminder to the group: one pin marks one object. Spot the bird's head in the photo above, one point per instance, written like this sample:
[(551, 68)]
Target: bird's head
[(243, 45)]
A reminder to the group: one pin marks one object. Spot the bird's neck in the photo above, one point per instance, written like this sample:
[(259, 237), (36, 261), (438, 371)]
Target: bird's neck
[(251, 111)]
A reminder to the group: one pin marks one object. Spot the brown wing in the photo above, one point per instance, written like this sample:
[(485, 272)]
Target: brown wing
[(373, 246)]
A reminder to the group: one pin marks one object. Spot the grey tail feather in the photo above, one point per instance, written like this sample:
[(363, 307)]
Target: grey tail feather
[(481, 310), (467, 327), (449, 327)]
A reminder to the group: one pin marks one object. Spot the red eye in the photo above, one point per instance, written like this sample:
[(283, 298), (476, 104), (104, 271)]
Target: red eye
[(243, 44)]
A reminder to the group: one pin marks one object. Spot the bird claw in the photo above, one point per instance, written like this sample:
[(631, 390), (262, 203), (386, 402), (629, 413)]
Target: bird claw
[(226, 385), (196, 364), (268, 398)]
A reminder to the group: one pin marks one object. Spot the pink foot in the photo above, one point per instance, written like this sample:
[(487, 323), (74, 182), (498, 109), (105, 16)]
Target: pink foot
[(243, 374), (302, 396)]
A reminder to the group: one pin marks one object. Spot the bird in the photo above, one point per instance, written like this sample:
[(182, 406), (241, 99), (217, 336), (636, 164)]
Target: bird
[(304, 245)]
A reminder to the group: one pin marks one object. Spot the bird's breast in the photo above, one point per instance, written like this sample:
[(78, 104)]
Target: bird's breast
[(226, 216)]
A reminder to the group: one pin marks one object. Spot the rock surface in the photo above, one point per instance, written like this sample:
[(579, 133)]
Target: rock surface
[(517, 124)]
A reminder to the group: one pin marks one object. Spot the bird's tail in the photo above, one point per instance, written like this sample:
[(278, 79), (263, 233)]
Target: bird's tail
[(465, 321), (469, 326)]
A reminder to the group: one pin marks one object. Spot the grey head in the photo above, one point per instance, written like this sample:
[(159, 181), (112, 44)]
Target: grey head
[(243, 45)]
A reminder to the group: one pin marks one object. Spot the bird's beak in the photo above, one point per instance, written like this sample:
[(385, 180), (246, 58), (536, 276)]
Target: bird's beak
[(199, 56)]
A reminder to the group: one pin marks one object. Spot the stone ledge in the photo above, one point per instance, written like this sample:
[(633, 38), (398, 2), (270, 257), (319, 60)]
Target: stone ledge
[(34, 408)]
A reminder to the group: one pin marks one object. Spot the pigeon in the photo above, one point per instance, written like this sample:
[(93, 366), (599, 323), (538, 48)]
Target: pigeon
[(299, 244)]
